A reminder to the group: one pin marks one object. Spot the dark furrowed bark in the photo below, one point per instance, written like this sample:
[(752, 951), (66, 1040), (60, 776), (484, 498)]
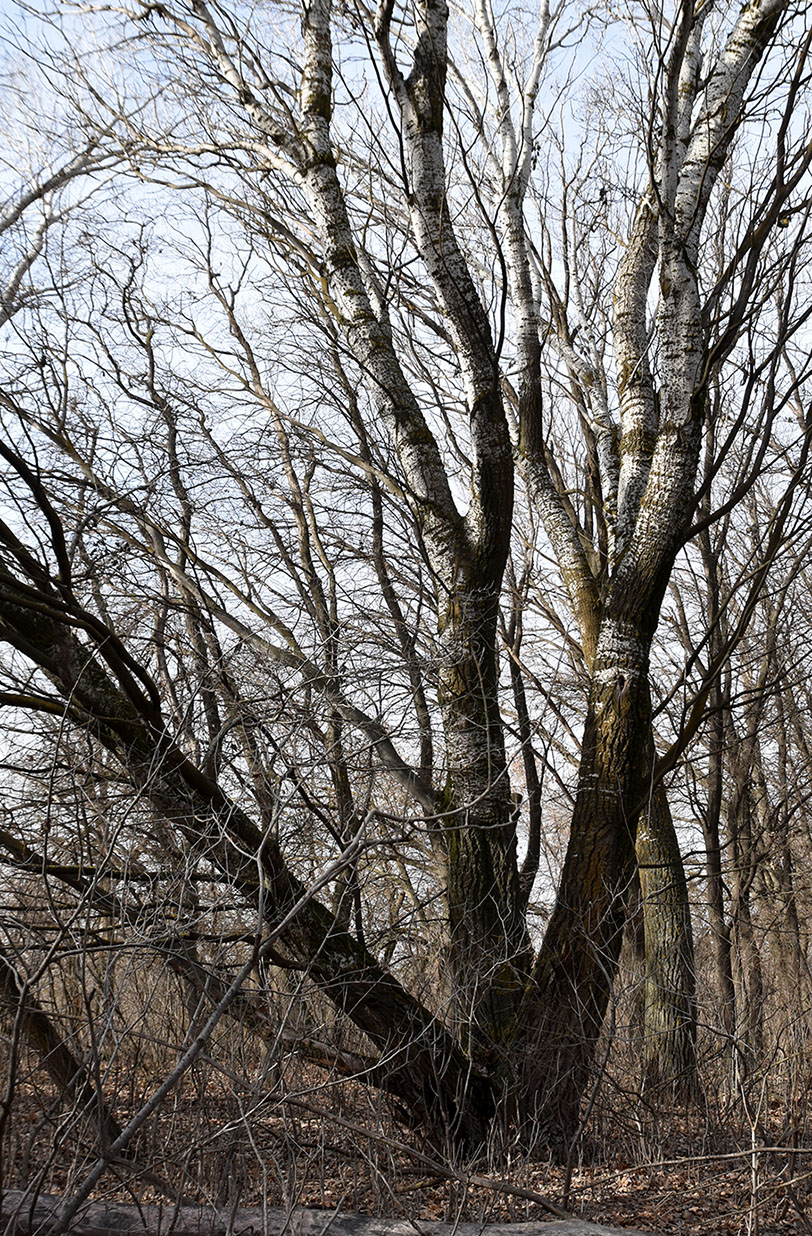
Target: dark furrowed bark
[(488, 941), (669, 1024), (659, 456), (576, 966), (247, 1009), (489, 950)]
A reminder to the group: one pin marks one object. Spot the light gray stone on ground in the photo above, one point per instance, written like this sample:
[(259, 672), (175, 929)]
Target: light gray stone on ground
[(25, 1214)]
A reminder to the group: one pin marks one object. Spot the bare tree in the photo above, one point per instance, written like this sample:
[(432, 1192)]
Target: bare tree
[(285, 466)]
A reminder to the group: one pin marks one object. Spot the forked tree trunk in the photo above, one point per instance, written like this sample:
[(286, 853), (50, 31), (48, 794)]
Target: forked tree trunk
[(649, 479)]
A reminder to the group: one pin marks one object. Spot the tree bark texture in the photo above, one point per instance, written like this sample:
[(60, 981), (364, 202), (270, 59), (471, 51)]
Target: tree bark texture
[(748, 978), (489, 945), (669, 1023), (488, 941), (661, 424), (649, 474), (573, 974)]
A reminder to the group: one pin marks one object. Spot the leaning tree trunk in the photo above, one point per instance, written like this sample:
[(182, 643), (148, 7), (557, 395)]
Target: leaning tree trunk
[(653, 469), (419, 1062)]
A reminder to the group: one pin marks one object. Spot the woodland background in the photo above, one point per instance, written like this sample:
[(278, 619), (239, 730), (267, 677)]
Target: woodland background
[(405, 608)]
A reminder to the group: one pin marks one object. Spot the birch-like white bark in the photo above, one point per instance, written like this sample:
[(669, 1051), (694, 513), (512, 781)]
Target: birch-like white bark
[(79, 165), (367, 335), (635, 387), (421, 102), (720, 115), (659, 463), (10, 299)]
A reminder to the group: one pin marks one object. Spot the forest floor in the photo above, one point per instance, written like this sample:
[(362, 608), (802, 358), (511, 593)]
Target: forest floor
[(333, 1149)]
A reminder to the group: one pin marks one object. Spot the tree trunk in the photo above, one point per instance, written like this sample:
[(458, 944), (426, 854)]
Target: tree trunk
[(669, 1046), (747, 971), (489, 955), (777, 883), (575, 969), (719, 929), (748, 981), (422, 1064), (719, 703)]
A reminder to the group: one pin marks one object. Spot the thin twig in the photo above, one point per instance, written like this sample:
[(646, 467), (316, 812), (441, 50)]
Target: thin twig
[(439, 1169)]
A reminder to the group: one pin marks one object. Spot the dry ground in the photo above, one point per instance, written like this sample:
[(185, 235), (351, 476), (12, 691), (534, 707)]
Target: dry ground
[(327, 1145)]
